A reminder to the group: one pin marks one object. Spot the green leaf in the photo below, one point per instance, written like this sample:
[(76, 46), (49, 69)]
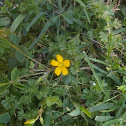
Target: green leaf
[(119, 30), (18, 85), (2, 124), (123, 119), (12, 63), (41, 120), (67, 79), (51, 100), (99, 69), (85, 111), (4, 84), (14, 39), (81, 3), (94, 73), (47, 117), (68, 20), (5, 118), (4, 87), (15, 74), (78, 21), (20, 57), (85, 10), (35, 19), (98, 61), (2, 50), (103, 37), (114, 107), (4, 21), (49, 103), (114, 78), (103, 118), (68, 15), (87, 15), (4, 43), (17, 22), (28, 124), (54, 19), (100, 107), (108, 123), (60, 5), (75, 112)]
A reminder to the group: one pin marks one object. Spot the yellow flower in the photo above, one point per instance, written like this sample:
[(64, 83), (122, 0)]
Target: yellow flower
[(61, 65)]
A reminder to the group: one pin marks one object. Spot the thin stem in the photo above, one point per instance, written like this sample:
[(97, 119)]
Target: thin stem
[(28, 56), (31, 75)]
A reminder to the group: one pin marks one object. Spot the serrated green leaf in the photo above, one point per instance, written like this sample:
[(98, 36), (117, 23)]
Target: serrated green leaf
[(103, 37)]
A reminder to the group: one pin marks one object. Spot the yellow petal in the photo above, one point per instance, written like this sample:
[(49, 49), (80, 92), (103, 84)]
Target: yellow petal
[(64, 70), (58, 71), (66, 63), (59, 58), (27, 122), (54, 63)]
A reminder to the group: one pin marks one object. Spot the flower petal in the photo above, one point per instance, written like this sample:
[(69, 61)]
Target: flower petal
[(58, 71), (54, 63), (59, 58), (64, 70), (66, 63)]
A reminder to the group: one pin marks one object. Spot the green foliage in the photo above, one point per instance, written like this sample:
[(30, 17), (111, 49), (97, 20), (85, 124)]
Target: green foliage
[(88, 33)]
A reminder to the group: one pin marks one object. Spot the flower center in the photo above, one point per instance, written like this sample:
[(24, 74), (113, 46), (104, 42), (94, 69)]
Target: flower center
[(61, 64)]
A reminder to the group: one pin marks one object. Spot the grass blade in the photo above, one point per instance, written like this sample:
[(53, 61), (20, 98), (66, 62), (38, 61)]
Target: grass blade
[(16, 22), (44, 29), (35, 19), (94, 73)]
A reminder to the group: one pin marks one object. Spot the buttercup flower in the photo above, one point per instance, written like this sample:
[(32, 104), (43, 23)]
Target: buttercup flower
[(61, 65)]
